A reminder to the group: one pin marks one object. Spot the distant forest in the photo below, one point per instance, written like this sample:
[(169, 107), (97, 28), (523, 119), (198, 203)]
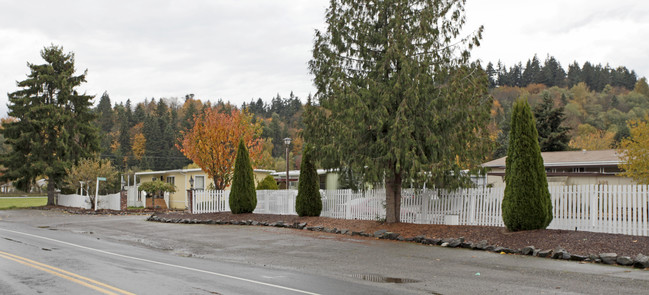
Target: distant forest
[(596, 102)]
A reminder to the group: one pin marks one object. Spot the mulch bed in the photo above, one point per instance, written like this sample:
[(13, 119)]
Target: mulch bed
[(575, 242)]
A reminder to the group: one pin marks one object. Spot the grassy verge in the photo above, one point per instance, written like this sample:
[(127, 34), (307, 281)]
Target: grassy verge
[(22, 202)]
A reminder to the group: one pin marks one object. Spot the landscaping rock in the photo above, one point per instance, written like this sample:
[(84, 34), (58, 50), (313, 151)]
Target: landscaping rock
[(456, 243), (574, 257), (356, 233), (444, 244), (466, 245), (379, 233), (545, 253), (498, 249), (608, 258), (480, 245), (529, 250), (427, 241), (390, 236), (344, 231), (641, 261), (418, 239), (490, 248), (560, 253), (624, 260), (301, 225)]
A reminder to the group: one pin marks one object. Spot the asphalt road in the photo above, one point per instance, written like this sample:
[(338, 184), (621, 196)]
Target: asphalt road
[(56, 253)]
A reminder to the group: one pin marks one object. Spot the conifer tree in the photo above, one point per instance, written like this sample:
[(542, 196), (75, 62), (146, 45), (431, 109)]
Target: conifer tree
[(553, 136), (243, 197), (527, 204), (308, 201), (54, 127), (398, 98)]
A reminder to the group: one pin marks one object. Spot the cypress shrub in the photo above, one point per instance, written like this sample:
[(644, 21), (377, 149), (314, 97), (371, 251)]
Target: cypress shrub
[(243, 197), (268, 183), (308, 201), (526, 204)]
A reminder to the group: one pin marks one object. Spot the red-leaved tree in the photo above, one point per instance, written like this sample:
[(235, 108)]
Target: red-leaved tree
[(212, 142)]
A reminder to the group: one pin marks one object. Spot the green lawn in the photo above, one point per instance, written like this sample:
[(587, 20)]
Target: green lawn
[(21, 202)]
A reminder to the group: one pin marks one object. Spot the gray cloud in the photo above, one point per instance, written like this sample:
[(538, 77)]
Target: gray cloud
[(240, 50)]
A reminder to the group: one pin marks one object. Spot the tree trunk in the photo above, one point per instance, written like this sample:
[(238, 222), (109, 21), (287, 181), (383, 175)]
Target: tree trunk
[(51, 193), (393, 198)]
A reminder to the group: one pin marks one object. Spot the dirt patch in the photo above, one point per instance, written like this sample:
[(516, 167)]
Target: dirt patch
[(575, 242)]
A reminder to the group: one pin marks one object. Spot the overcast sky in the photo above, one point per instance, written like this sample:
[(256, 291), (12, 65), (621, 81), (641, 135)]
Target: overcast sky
[(243, 50)]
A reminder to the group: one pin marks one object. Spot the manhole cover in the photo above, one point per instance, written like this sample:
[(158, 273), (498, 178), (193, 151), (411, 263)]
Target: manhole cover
[(383, 279)]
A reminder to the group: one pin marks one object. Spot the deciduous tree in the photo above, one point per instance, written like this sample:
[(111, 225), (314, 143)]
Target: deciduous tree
[(634, 151), (87, 170), (212, 142), (398, 99)]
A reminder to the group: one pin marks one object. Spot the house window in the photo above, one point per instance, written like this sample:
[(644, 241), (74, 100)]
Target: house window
[(171, 179), (199, 182), (578, 169)]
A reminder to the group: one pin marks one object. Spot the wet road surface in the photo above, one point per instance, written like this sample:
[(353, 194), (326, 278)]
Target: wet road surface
[(132, 255)]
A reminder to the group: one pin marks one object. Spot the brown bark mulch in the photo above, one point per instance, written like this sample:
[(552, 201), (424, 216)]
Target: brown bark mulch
[(575, 242)]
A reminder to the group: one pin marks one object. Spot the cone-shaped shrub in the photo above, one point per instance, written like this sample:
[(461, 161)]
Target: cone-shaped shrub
[(308, 201), (268, 183), (527, 204), (243, 197)]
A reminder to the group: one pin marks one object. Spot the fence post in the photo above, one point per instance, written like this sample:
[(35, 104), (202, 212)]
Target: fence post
[(594, 210), (190, 199), (348, 207)]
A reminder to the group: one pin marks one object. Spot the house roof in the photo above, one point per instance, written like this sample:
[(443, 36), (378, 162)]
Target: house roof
[(569, 159), (296, 173), (189, 170)]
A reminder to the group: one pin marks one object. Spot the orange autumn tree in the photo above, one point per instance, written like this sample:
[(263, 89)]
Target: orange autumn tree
[(212, 142)]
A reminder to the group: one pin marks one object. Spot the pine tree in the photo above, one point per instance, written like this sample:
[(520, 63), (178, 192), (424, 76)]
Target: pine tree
[(243, 197), (398, 98), (527, 204), (553, 136), (308, 201), (54, 127)]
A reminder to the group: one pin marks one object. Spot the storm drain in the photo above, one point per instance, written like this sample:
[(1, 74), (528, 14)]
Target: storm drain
[(383, 279)]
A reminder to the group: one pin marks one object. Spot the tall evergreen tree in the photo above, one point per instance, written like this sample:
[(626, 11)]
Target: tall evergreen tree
[(398, 97), (308, 201), (54, 127), (492, 74), (574, 74), (527, 204), (553, 136), (243, 197), (532, 72), (552, 74)]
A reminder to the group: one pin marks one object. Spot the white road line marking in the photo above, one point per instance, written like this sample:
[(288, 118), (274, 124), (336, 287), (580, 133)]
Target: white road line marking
[(164, 263)]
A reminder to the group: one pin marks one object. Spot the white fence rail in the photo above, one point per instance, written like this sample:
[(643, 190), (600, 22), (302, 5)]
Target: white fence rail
[(111, 202), (599, 208)]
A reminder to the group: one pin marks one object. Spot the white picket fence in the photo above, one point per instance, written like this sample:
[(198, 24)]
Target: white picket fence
[(597, 208), (268, 201), (111, 202)]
